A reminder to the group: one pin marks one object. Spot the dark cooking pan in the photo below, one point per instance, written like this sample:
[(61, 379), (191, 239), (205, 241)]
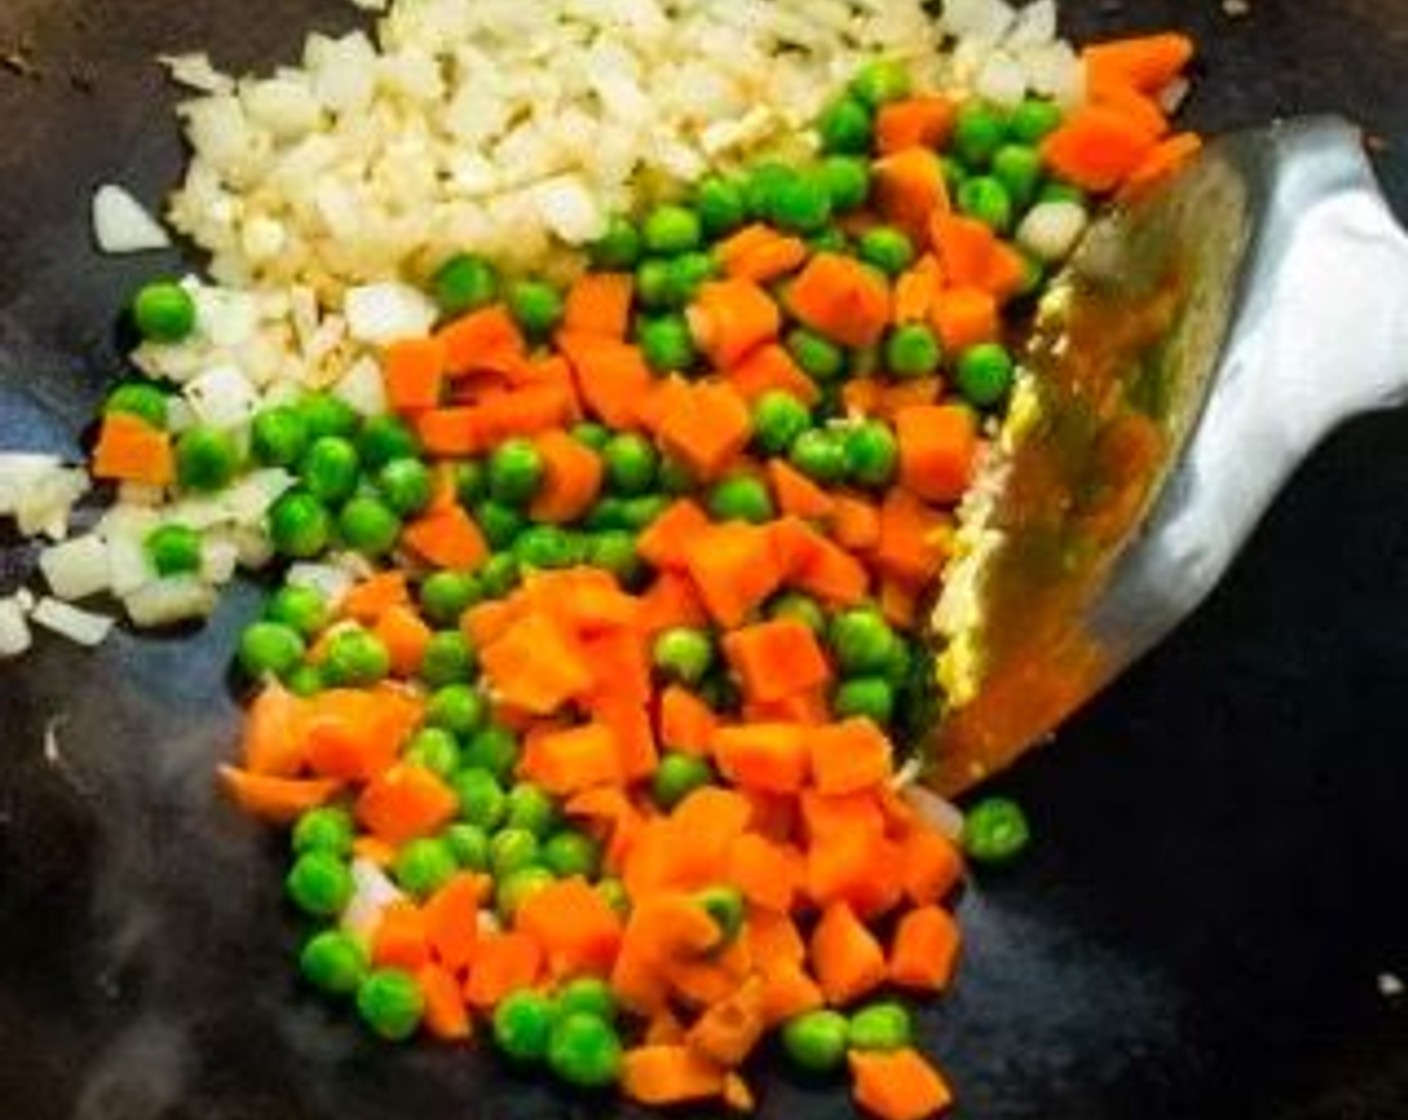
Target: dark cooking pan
[(1218, 887)]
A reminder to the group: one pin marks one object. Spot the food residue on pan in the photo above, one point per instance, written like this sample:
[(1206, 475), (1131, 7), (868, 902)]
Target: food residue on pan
[(604, 424)]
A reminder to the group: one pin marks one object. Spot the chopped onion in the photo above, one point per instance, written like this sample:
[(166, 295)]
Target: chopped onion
[(87, 628), (170, 599), (219, 557), (122, 225), (330, 581), (362, 387), (222, 397), (372, 892), (381, 313), (249, 500), (15, 637), (983, 20), (934, 810), (569, 210), (19, 472), (77, 568), (1051, 229), (46, 502), (1002, 80)]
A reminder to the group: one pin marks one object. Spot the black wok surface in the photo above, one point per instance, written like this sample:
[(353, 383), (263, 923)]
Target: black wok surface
[(1222, 855)]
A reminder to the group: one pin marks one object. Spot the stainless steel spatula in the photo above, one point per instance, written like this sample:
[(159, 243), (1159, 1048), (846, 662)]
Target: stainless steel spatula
[(1197, 347)]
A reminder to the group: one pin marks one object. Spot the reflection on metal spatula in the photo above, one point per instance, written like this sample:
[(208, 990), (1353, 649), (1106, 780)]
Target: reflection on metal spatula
[(1198, 346)]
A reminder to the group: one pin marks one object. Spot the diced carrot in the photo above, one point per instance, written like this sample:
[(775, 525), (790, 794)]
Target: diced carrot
[(571, 760), (405, 802), (368, 600), (916, 289), (846, 958), (662, 1075), (707, 429), (766, 756), (613, 378), (826, 815), (486, 622), (571, 478), (862, 395), (850, 756), (528, 411), (131, 450), (897, 1084), (687, 724), (737, 1096), (447, 538), (932, 865), (413, 370), (914, 538), (620, 666), (787, 992), (925, 949), (452, 920), (908, 189), (405, 636), (576, 927), (842, 299), (965, 316), (922, 121), (671, 600), (735, 567), (452, 431), (857, 866), (711, 818), (1164, 160), (612, 818), (663, 1029), (768, 368), (817, 565), (446, 1017), (855, 523), (1097, 148), (808, 708), (587, 600), (666, 543), (535, 666), (759, 253), (796, 494), (399, 940), (1006, 274), (351, 734), (773, 939), (275, 799), (600, 303), (486, 339), (668, 395), (963, 247), (728, 1030), (1140, 110), (629, 722), (1145, 63), (938, 450), (899, 602), (768, 874), (503, 963), (374, 850), (273, 734), (777, 658), (731, 318)]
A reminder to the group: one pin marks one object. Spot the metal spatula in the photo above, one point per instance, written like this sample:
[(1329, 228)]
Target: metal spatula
[(1196, 348)]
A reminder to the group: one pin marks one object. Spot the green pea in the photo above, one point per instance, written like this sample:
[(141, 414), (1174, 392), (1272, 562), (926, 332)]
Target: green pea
[(584, 1051), (304, 680), (778, 419), (845, 127), (913, 350), (330, 468), (327, 415), (872, 454), (499, 523), (301, 608), (493, 749), (614, 551), (978, 131), (741, 497), (1018, 168), (641, 511), (470, 845), (334, 962), (677, 776), (800, 607), (206, 458), (138, 398), (984, 374), (424, 865), (721, 205), (482, 799), (269, 648), (406, 485), (830, 240), (319, 884), (666, 342), (515, 472), (985, 198), (870, 698), (528, 807), (512, 849), (683, 654), (164, 312), (880, 1026), (820, 454), (536, 306), (385, 439), (670, 229), (517, 887), (887, 248), (435, 749), (862, 641), (613, 891), (587, 995), (369, 525), (448, 659), (674, 478), (471, 482), (816, 1041), (686, 273), (522, 1025), (465, 282), (618, 249), (655, 283), (356, 658), (300, 526), (720, 693), (820, 358), (801, 202), (1063, 192), (1033, 120), (591, 434), (173, 549), (847, 180), (445, 596), (568, 852), (500, 575), (995, 831), (545, 547), (725, 906), (880, 81), (328, 828), (760, 184), (458, 708), (391, 1004), (954, 173), (899, 664)]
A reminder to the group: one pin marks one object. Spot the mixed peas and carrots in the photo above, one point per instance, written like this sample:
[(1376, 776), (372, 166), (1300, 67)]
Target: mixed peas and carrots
[(613, 730)]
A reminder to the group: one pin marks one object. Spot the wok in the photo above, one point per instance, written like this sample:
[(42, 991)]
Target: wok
[(1217, 886)]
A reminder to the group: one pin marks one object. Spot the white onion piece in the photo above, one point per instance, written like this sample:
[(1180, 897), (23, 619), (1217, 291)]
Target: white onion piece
[(222, 397), (934, 810), (15, 637), (219, 557), (170, 599), (76, 568), (46, 502), (328, 580), (194, 71), (249, 499), (18, 472), (1036, 24), (984, 20), (372, 892), (87, 628), (381, 313), (362, 387), (1050, 230), (121, 224), (1002, 80), (569, 210)]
